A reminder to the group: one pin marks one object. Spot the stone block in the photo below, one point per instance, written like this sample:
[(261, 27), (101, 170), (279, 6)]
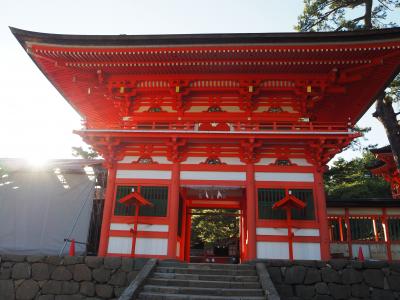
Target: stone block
[(87, 288), (5, 273), (82, 273), (276, 274), (104, 291), (322, 297), (61, 273), (127, 264), (94, 262), (112, 262), (52, 287), (374, 278), (339, 291), (69, 287), (6, 290), (69, 297), (101, 275), (378, 294), (46, 297), (321, 288), (118, 279), (131, 276), (35, 258), (40, 271), (27, 290), (13, 258), (356, 264), (394, 266), (350, 276), (295, 275), (330, 275), (306, 263), (73, 260), (394, 282), (118, 291), (338, 264), (140, 262), (54, 260), (21, 270), (375, 264), (284, 290), (305, 291), (312, 276), (360, 290)]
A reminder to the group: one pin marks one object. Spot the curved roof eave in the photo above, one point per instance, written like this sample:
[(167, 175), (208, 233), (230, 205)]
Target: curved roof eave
[(282, 38)]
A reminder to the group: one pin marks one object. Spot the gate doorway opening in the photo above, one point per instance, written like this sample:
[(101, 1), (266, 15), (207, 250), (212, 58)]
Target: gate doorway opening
[(212, 224), (215, 235)]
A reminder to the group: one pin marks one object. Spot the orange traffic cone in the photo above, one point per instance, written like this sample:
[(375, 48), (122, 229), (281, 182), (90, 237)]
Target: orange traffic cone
[(360, 254), (72, 248)]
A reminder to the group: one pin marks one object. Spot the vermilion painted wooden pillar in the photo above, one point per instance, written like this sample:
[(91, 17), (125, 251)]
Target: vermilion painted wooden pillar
[(322, 217), (173, 211), (107, 211), (250, 213)]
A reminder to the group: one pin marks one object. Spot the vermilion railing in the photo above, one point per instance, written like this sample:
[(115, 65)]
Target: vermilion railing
[(239, 126)]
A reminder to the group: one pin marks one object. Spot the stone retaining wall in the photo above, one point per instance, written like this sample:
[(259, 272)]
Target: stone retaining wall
[(62, 278), (336, 279)]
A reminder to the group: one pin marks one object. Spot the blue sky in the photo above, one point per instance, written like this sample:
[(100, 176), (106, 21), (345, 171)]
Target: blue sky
[(36, 122)]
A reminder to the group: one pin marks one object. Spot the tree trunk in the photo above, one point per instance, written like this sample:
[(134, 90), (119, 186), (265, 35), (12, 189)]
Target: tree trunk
[(385, 114), (368, 14)]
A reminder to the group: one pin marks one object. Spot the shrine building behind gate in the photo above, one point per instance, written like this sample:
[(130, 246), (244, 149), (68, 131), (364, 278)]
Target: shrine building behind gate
[(238, 121)]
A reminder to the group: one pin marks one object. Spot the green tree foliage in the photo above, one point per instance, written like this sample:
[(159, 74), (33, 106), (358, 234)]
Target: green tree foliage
[(214, 227), (352, 179), (90, 153), (328, 15), (340, 15)]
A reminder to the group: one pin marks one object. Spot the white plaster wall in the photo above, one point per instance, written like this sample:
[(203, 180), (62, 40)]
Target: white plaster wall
[(305, 232), (272, 250), (265, 161), (271, 231), (283, 176), (198, 175), (393, 211), (365, 211), (151, 246), (143, 174), (141, 227), (335, 211), (300, 162), (194, 160), (307, 251), (129, 159), (395, 251), (365, 249), (340, 248), (161, 160), (119, 245)]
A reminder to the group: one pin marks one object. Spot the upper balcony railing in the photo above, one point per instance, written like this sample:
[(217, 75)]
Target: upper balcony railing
[(239, 126)]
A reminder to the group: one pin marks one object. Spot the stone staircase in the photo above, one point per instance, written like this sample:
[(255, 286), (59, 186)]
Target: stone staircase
[(175, 280)]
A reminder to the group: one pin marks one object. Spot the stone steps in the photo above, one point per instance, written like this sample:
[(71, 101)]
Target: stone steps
[(206, 271), (158, 296), (176, 280), (204, 283), (206, 277)]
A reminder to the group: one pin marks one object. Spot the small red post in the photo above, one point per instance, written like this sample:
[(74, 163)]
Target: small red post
[(72, 248), (360, 254)]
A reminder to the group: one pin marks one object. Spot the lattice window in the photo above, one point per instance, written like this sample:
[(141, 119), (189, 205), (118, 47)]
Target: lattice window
[(283, 162), (214, 109), (158, 195), (275, 109), (362, 229), (394, 229), (268, 197), (213, 161)]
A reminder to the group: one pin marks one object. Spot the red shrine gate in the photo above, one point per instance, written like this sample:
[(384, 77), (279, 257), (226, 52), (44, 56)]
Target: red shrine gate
[(263, 113)]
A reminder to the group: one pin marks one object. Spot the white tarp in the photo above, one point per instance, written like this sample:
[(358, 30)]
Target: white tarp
[(38, 207)]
